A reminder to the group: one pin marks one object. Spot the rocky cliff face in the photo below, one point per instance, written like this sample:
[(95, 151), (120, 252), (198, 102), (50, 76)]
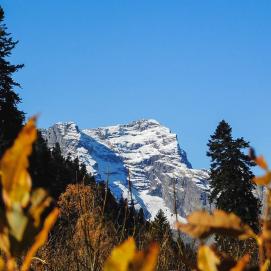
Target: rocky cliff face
[(145, 151)]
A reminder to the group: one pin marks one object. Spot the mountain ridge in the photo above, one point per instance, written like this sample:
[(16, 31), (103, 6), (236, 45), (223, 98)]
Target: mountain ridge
[(146, 149)]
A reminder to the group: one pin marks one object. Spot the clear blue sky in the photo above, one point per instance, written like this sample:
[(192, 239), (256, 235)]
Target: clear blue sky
[(186, 63)]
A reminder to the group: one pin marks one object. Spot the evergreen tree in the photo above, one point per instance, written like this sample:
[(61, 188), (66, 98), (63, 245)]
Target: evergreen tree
[(141, 217), (230, 175), (39, 163), (50, 170), (11, 119), (160, 227), (62, 172)]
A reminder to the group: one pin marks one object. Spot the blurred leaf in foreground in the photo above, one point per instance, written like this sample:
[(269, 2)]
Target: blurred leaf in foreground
[(201, 224), (207, 259), (15, 178), (125, 257), (22, 224), (241, 264)]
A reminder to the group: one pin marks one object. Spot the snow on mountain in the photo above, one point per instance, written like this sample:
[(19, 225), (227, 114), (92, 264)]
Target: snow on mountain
[(145, 150)]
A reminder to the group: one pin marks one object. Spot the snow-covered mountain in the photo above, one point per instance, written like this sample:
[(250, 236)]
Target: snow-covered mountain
[(145, 150)]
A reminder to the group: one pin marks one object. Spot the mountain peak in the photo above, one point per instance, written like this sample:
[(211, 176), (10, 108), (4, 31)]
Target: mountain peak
[(145, 121), (148, 151), (69, 125)]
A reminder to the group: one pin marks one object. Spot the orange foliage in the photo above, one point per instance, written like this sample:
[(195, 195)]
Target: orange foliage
[(22, 226)]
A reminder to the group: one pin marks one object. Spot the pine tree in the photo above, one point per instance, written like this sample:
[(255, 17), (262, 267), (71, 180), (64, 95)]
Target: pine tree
[(39, 164), (160, 227), (141, 217), (11, 118), (230, 175)]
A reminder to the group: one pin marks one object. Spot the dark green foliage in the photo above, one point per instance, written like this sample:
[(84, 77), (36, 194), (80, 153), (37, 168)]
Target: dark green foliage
[(140, 217), (171, 250), (160, 227), (230, 176), (128, 221), (105, 200), (50, 170), (11, 119), (39, 163)]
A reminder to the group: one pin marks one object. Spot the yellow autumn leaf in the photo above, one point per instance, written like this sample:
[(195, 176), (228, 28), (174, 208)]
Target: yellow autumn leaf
[(260, 161), (39, 202), (2, 264), (17, 222), (121, 256), (201, 224), (207, 259), (263, 180), (146, 260), (125, 257), (16, 181), (4, 240), (11, 264), (151, 259), (265, 266), (241, 264), (40, 239)]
